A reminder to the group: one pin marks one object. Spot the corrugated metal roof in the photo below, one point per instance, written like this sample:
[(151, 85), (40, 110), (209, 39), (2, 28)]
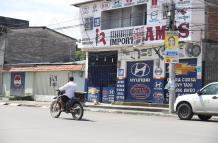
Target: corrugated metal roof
[(43, 68)]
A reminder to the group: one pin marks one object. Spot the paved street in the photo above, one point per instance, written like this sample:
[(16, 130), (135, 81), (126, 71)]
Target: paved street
[(34, 125)]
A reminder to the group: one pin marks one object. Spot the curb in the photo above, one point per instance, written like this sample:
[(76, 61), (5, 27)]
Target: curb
[(149, 111), (130, 112)]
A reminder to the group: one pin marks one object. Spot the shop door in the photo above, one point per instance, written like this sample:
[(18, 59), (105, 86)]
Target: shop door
[(102, 75)]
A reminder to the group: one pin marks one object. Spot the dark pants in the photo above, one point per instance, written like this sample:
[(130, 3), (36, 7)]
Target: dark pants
[(64, 99)]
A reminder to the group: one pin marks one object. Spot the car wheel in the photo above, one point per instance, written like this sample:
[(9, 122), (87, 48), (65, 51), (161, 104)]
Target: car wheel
[(185, 111), (204, 117)]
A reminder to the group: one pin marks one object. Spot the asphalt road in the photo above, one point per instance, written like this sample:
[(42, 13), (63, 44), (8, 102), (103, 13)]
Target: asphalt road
[(34, 125)]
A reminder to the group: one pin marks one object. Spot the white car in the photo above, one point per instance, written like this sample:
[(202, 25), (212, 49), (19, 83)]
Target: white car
[(204, 103)]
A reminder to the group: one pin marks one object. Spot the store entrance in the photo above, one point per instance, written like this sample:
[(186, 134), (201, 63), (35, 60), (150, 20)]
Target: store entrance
[(102, 75)]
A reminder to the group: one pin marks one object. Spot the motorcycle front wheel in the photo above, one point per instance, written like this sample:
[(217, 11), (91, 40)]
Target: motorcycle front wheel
[(55, 109), (77, 111)]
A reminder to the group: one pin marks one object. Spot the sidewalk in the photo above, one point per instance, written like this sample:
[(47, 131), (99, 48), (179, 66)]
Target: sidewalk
[(102, 107)]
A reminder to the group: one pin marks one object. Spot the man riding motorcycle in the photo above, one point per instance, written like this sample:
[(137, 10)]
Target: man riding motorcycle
[(69, 92)]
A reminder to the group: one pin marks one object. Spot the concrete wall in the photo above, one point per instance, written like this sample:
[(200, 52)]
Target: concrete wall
[(6, 84), (39, 84), (2, 49)]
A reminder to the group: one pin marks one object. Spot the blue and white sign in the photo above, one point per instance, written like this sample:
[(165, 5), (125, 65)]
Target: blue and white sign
[(108, 94), (93, 94), (120, 90), (97, 22), (139, 81)]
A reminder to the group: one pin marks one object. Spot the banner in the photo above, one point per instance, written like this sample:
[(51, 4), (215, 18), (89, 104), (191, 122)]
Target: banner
[(171, 43), (17, 84)]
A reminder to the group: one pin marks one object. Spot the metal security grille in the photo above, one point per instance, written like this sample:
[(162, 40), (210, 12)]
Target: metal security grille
[(210, 72), (102, 69)]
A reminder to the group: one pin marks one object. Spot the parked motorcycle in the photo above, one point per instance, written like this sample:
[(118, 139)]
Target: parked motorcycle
[(73, 106)]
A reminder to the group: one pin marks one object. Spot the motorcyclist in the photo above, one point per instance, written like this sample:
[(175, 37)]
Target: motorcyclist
[(69, 93)]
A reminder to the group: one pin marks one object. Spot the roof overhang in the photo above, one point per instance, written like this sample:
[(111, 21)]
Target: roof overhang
[(78, 4)]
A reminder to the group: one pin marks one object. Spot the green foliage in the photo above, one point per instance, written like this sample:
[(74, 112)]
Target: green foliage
[(26, 98), (80, 55)]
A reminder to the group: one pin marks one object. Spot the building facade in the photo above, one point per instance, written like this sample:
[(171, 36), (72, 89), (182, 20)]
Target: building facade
[(124, 41), (40, 81), (21, 45)]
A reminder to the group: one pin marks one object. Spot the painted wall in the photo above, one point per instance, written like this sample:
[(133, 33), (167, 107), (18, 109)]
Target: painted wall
[(29, 83), (141, 48), (144, 35), (43, 85), (6, 83)]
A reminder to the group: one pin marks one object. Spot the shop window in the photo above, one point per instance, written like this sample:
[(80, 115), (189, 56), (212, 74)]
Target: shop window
[(88, 23), (166, 9), (124, 17)]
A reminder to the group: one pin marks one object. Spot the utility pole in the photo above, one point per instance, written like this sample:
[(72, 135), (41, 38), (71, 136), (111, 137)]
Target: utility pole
[(172, 75)]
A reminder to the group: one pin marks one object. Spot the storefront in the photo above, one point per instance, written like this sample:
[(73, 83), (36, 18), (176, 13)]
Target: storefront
[(135, 31), (40, 81)]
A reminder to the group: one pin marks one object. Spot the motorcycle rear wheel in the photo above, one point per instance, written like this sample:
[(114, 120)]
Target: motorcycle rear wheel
[(77, 111), (55, 109)]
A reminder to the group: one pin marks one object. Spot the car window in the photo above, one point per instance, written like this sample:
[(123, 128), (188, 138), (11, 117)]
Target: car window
[(210, 90)]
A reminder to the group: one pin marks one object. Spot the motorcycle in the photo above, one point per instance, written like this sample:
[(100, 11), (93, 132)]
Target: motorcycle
[(73, 106)]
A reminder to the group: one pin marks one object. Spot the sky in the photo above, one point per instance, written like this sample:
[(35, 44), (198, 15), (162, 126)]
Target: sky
[(51, 13)]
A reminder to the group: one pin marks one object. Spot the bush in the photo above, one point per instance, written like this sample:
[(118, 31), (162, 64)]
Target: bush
[(26, 98)]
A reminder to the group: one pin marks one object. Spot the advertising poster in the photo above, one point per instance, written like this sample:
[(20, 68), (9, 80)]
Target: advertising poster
[(17, 84), (93, 94), (171, 43), (139, 81), (108, 94), (186, 77), (141, 86)]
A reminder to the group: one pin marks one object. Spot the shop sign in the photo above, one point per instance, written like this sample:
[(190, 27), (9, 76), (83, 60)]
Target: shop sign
[(108, 94), (97, 22), (120, 72), (139, 80), (121, 37), (141, 1), (105, 5), (86, 41), (128, 2), (141, 86), (140, 69), (154, 16), (84, 10), (116, 3), (141, 35), (186, 77), (120, 90), (138, 35), (158, 97), (93, 94), (140, 91)]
